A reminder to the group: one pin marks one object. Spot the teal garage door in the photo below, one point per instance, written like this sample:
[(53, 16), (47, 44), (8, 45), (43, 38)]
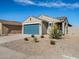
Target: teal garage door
[(31, 29)]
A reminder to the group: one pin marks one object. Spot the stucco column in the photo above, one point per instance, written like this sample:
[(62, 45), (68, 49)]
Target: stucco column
[(40, 29), (63, 28), (22, 28), (66, 28)]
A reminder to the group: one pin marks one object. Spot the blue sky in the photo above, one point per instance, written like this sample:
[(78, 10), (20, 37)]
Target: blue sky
[(19, 10)]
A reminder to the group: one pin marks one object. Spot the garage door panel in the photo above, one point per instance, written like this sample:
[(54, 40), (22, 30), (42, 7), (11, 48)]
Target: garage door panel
[(31, 29)]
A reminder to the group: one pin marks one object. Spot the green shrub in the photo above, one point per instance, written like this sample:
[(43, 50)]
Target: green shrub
[(55, 34)]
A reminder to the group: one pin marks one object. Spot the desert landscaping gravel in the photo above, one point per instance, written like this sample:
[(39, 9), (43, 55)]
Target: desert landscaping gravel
[(66, 48)]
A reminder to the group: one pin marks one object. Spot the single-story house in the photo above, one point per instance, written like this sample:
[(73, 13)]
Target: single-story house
[(10, 27), (42, 25)]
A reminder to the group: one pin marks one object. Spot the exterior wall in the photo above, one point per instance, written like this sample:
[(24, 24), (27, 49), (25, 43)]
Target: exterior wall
[(11, 29), (50, 25), (5, 30), (15, 29), (49, 29), (32, 20), (0, 28), (22, 28), (44, 27), (40, 30), (65, 28)]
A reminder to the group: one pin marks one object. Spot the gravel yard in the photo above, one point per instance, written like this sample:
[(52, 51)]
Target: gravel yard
[(29, 47), (67, 48)]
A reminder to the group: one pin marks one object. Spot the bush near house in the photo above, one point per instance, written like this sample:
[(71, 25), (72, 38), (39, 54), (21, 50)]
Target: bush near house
[(26, 39), (42, 36), (55, 33), (35, 39), (52, 42)]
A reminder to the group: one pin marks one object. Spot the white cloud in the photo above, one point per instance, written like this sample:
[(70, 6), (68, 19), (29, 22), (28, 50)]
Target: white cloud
[(25, 1), (49, 4)]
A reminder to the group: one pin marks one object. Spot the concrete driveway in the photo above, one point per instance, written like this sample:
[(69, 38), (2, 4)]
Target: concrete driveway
[(6, 53), (9, 38)]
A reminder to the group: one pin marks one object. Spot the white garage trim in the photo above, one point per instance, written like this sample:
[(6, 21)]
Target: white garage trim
[(40, 28)]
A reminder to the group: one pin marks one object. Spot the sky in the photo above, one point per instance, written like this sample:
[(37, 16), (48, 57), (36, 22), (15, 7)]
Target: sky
[(20, 10)]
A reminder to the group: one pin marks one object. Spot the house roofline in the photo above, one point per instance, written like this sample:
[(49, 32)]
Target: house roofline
[(7, 22)]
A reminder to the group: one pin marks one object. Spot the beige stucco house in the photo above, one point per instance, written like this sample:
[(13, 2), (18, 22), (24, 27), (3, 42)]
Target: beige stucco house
[(10, 27), (42, 25)]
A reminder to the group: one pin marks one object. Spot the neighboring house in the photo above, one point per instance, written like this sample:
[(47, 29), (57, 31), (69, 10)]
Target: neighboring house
[(42, 25), (10, 27)]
